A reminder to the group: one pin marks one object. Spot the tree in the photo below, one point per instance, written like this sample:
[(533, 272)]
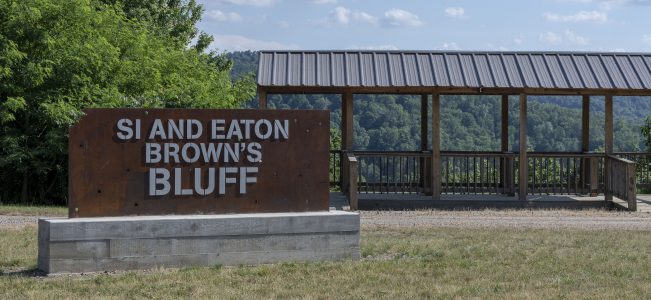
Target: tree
[(646, 133), (59, 57), (176, 19)]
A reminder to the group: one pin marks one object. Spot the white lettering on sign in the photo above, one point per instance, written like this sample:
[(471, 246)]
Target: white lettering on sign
[(175, 142)]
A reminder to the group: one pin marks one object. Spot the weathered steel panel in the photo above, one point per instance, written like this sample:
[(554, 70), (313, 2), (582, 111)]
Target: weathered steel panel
[(110, 176)]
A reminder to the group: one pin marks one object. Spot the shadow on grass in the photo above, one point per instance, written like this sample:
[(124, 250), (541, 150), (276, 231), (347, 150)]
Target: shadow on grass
[(31, 272)]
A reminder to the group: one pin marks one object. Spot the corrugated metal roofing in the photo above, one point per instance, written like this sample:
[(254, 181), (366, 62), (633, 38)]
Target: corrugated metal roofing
[(536, 70)]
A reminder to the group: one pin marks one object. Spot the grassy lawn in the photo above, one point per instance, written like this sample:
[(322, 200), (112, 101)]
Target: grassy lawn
[(26, 210), (396, 264)]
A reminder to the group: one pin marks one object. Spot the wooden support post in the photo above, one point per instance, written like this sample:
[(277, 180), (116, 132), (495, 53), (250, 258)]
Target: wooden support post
[(608, 127), (352, 185), (524, 163), (505, 123), (506, 165), (262, 99), (585, 179), (631, 187), (436, 147), (594, 179), (346, 136), (424, 166)]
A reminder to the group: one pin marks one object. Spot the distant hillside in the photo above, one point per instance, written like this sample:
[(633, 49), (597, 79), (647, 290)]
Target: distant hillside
[(391, 122), (244, 62)]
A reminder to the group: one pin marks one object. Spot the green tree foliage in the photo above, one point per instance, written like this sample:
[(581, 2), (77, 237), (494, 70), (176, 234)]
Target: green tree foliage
[(59, 57), (174, 19), (646, 133)]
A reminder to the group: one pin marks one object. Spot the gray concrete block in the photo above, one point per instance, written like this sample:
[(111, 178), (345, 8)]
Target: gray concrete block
[(200, 225), (43, 245), (127, 243)]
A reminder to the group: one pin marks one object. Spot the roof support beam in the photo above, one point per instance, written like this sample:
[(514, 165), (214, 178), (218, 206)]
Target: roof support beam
[(524, 163)]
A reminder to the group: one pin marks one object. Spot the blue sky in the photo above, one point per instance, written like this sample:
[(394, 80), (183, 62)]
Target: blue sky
[(590, 25)]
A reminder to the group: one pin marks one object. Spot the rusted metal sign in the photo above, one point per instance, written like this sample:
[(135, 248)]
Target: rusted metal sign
[(185, 161)]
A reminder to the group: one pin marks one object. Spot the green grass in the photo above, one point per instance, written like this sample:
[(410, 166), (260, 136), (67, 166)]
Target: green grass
[(396, 264), (28, 210)]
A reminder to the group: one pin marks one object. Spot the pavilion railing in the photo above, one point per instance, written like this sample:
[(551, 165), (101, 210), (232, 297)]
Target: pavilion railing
[(620, 181), (642, 162), (477, 173), (553, 173), (392, 172), (562, 173)]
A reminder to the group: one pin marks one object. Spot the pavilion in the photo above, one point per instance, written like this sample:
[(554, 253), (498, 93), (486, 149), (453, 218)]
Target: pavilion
[(435, 73)]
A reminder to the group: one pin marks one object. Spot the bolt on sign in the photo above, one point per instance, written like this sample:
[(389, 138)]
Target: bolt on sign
[(198, 161)]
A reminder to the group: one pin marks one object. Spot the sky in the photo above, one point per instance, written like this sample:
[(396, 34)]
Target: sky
[(498, 25)]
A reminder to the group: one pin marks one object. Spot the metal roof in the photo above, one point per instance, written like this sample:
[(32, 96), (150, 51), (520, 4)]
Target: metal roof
[(388, 69)]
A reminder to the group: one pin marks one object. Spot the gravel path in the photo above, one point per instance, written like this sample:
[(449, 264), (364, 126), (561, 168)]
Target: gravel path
[(17, 221), (554, 219)]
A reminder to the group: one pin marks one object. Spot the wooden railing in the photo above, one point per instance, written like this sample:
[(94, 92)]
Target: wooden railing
[(393, 172), (642, 162), (477, 173), (408, 172), (564, 173), (351, 192), (620, 181)]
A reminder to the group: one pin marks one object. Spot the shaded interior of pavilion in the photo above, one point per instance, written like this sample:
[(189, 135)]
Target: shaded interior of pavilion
[(407, 179)]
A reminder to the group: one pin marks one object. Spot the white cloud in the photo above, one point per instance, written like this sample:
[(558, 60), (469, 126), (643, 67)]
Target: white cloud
[(450, 46), (340, 15), (241, 43), (494, 47), (378, 47), (582, 16), (399, 18), (364, 17), (573, 38), (610, 4), (283, 24), (343, 16), (259, 3), (647, 38), (223, 16), (518, 41), (567, 36), (550, 38), (324, 1), (455, 12)]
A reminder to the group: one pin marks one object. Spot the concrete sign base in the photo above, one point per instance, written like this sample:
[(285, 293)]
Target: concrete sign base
[(126, 243)]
